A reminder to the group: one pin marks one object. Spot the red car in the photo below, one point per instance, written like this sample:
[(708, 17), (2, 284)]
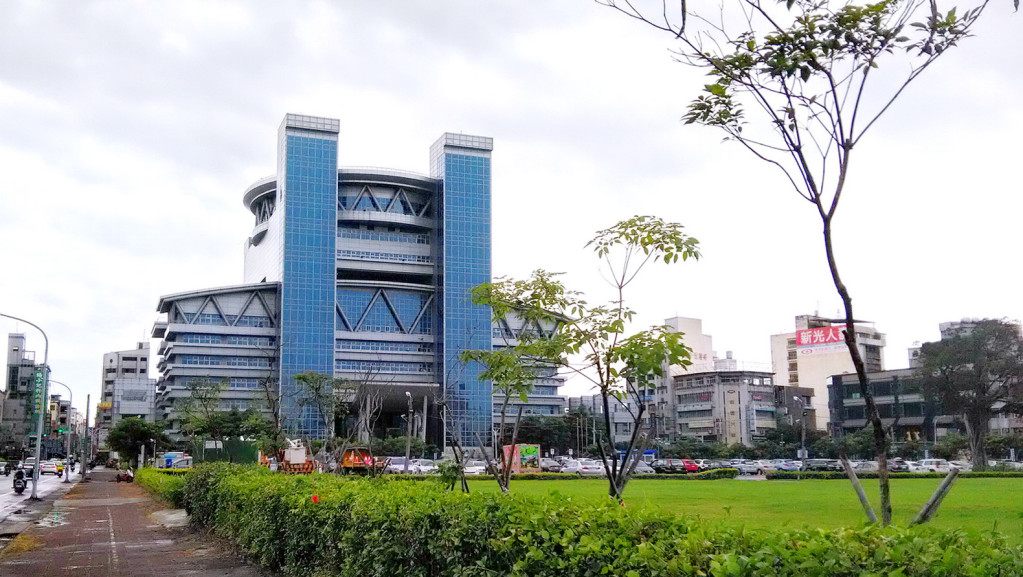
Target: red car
[(691, 466)]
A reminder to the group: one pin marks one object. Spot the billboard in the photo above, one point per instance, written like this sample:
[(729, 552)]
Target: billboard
[(524, 458), (821, 340)]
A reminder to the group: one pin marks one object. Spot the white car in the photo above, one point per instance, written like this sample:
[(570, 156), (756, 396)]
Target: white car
[(182, 463), (591, 467), (475, 468), (48, 467), (422, 466), (397, 465), (935, 466)]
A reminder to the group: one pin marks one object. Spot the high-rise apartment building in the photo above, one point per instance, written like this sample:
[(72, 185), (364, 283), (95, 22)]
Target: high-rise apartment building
[(128, 390), (363, 274), (816, 350), (15, 418)]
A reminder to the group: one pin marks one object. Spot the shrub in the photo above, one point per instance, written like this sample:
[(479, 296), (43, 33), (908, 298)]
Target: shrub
[(167, 484), (327, 525)]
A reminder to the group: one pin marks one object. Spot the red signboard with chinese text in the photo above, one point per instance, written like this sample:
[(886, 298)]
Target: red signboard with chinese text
[(819, 336)]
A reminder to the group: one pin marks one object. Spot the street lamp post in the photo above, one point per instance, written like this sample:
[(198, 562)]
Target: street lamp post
[(39, 419), (408, 436), (67, 451), (802, 423)]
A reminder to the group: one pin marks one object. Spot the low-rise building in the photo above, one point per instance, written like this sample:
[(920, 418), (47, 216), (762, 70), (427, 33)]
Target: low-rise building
[(816, 350), (128, 390)]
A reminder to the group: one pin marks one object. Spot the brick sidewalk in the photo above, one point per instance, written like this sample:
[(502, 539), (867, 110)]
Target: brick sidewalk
[(105, 528)]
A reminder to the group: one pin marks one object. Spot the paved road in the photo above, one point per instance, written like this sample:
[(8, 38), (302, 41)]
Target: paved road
[(11, 501)]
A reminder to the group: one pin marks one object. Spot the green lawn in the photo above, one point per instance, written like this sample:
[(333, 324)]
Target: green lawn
[(973, 504)]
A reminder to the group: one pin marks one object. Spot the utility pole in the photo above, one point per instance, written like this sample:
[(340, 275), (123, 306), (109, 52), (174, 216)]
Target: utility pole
[(85, 438), (802, 423), (408, 431)]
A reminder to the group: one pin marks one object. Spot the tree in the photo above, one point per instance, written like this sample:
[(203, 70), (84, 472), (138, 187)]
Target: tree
[(317, 391), (551, 433), (795, 86), (594, 341), (975, 374), (512, 369), (130, 434), (201, 412)]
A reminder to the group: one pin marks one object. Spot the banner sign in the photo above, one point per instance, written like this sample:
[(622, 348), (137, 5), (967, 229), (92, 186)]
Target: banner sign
[(38, 390), (524, 458), (820, 340)]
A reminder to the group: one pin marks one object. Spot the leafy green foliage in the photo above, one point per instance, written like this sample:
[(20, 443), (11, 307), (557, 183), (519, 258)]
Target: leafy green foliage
[(593, 341), (974, 373), (131, 433), (369, 527), (167, 484)]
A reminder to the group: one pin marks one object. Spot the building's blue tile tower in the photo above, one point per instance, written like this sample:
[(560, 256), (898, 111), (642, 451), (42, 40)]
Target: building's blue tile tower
[(307, 189), (462, 162)]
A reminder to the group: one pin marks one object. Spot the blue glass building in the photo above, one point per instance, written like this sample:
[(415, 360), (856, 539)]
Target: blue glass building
[(364, 274), (375, 268)]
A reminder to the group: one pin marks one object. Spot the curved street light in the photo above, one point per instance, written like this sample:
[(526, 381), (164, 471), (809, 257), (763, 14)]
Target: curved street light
[(39, 420), (67, 451)]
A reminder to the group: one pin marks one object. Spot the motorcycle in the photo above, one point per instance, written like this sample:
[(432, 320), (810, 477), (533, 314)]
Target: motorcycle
[(127, 476), (19, 482)]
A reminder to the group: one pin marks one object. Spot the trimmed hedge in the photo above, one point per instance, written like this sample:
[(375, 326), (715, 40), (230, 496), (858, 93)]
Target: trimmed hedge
[(790, 475), (167, 484), (325, 525)]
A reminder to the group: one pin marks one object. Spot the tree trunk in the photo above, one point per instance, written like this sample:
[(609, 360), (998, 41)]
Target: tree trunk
[(976, 431), (880, 438)]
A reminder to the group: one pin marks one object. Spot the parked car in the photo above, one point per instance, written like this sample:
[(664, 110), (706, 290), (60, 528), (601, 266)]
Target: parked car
[(182, 463), (550, 465), (672, 465), (47, 467), (422, 467), (935, 465), (592, 467), (790, 466), (475, 467), (703, 464), (642, 468), (823, 465), (963, 466), (397, 465), (690, 466), (571, 466), (747, 467), (898, 465), (865, 466)]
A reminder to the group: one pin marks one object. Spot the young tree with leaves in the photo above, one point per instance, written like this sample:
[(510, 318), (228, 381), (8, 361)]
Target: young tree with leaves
[(975, 374), (595, 341), (130, 434), (794, 84)]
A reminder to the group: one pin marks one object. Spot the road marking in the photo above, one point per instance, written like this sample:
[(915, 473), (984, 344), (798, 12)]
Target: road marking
[(113, 543)]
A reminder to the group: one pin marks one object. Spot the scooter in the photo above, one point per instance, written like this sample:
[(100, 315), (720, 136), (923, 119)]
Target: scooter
[(127, 476), (19, 481)]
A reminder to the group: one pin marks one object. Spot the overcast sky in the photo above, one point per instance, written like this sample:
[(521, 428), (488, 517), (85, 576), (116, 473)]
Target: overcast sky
[(130, 130)]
